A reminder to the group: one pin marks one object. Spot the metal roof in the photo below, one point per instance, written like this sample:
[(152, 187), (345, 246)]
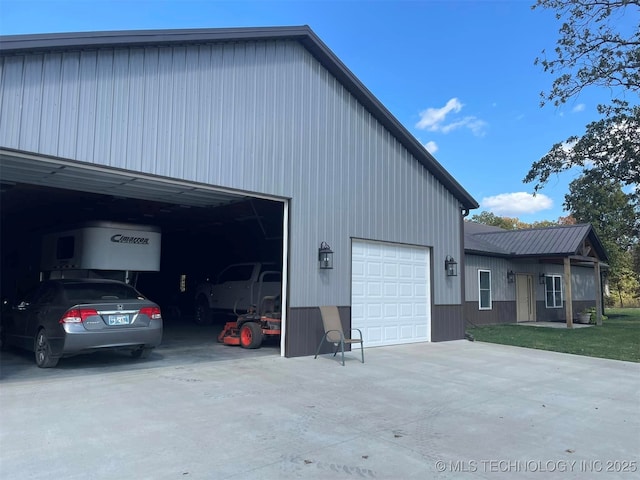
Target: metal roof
[(474, 243), (21, 44), (563, 240)]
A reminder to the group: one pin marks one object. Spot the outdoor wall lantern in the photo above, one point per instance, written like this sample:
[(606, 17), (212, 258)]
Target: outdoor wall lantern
[(511, 277), (325, 256), (543, 279), (451, 266)]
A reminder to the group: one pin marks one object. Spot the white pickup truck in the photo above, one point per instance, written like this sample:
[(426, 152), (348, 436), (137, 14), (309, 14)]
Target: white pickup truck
[(238, 288)]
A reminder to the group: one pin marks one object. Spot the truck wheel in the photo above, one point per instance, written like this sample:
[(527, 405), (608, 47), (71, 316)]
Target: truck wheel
[(250, 335), (204, 315)]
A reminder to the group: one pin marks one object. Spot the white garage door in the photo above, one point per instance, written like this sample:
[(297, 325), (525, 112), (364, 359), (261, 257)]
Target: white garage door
[(390, 293)]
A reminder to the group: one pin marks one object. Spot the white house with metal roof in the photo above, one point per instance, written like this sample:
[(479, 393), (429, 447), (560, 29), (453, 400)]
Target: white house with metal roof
[(528, 275)]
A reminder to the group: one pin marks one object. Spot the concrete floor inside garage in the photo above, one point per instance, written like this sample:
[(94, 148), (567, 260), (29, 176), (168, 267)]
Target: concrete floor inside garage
[(184, 343)]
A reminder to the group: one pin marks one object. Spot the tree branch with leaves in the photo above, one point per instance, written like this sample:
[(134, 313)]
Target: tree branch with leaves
[(595, 50), (590, 50), (611, 146)]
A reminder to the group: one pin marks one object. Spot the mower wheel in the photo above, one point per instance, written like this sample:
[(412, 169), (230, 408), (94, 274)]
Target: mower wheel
[(250, 335)]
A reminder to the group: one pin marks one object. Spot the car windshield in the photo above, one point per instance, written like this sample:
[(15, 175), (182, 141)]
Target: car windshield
[(100, 291)]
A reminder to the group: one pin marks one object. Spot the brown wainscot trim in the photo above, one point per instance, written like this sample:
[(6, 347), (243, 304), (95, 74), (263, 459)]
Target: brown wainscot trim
[(304, 328), (558, 314), (501, 312), (447, 323), (304, 331)]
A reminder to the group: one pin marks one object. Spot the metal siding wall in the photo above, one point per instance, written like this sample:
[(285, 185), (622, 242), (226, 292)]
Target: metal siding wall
[(501, 290), (70, 98), (104, 101), (87, 106), (31, 103), (10, 98), (582, 287), (262, 117), (52, 106)]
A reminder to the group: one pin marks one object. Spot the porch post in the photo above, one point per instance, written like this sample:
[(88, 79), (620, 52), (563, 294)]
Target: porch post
[(568, 306), (598, 279)]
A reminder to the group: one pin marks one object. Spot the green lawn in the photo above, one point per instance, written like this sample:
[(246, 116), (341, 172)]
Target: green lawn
[(618, 338)]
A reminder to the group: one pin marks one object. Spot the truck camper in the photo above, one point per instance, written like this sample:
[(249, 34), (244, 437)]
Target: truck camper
[(118, 251)]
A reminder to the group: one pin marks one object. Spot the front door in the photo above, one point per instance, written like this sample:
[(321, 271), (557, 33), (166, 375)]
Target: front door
[(525, 299)]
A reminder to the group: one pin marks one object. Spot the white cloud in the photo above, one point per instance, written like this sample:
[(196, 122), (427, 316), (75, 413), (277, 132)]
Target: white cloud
[(517, 203), (431, 146), (578, 108), (434, 119), (431, 118), (474, 124)]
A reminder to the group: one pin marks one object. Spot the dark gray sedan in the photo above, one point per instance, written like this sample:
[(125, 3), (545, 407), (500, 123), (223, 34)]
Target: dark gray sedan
[(66, 317)]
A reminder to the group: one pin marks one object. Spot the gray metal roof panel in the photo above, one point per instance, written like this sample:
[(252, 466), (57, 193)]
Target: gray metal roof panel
[(544, 241), (477, 245), (550, 241), (20, 44), (473, 243)]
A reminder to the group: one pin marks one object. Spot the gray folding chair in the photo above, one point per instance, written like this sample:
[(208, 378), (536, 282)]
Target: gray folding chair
[(333, 332)]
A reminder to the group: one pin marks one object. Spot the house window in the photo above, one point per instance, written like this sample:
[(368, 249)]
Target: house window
[(484, 288), (553, 291)]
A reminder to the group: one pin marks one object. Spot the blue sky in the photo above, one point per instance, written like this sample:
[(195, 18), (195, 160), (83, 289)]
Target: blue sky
[(458, 74)]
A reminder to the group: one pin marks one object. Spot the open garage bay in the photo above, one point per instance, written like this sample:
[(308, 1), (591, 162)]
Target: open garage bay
[(203, 231)]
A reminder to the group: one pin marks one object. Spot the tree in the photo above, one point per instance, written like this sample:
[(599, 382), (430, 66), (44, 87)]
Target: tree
[(508, 223), (488, 218), (635, 255), (610, 145), (602, 203), (614, 216), (594, 50), (541, 224), (568, 220)]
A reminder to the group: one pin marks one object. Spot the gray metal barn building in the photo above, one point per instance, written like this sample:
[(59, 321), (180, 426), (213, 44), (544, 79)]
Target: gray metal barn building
[(202, 119)]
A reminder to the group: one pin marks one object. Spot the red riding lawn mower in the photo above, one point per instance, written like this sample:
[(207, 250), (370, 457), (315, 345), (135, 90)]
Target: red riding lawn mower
[(252, 328)]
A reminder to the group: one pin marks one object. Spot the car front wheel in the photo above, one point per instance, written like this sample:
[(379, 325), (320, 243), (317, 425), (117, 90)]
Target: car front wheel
[(43, 351)]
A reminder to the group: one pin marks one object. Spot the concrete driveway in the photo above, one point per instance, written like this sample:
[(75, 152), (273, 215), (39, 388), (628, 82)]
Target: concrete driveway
[(441, 410)]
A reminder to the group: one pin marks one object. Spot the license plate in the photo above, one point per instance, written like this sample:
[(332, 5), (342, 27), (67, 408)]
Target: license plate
[(118, 320)]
